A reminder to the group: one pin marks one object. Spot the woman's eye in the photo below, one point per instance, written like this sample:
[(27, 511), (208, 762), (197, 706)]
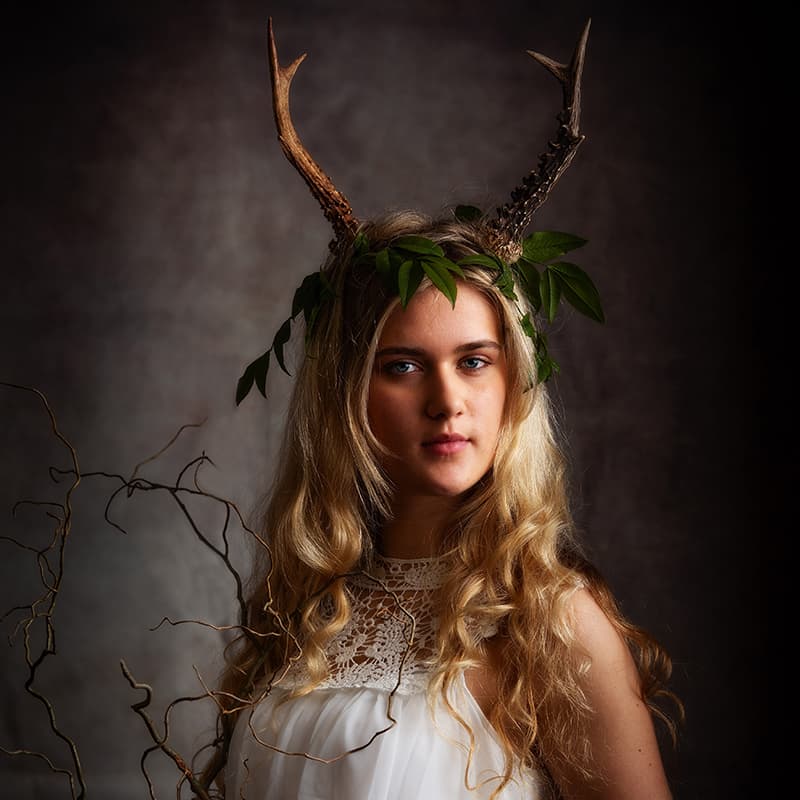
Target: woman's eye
[(400, 367), (474, 363)]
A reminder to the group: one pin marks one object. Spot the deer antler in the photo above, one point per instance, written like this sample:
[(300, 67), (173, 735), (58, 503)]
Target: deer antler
[(513, 218), (334, 204)]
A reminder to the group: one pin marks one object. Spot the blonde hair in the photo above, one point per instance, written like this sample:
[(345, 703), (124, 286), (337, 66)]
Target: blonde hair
[(515, 561)]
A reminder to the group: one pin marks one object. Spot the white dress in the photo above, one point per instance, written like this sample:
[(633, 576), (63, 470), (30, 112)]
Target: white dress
[(368, 732)]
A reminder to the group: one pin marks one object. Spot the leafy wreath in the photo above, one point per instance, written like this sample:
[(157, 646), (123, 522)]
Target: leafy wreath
[(404, 263)]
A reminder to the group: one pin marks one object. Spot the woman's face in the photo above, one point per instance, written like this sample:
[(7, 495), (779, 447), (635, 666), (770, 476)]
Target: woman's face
[(437, 392)]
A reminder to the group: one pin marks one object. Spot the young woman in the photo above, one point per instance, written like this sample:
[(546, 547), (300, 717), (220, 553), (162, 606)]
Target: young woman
[(422, 624)]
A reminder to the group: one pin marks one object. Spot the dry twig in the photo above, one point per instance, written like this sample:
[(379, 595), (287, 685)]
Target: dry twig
[(39, 613)]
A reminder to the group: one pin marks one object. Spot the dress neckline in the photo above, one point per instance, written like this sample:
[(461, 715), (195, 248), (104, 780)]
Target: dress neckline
[(400, 574)]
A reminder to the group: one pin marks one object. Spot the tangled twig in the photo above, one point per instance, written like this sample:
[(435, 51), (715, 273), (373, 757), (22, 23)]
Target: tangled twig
[(40, 612)]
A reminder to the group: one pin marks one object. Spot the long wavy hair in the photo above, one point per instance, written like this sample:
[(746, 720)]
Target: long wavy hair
[(514, 557)]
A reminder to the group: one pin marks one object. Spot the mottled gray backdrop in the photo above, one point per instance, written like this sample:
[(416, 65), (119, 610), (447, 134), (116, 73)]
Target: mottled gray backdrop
[(152, 236)]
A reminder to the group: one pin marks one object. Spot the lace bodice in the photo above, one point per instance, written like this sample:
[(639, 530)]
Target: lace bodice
[(370, 730), (389, 641)]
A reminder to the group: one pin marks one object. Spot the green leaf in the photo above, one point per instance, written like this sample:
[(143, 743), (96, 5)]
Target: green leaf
[(261, 370), (505, 283), (281, 337), (415, 278), (441, 279), (305, 296), (543, 246), (550, 289), (397, 257), (527, 326), (417, 244), (546, 367), (255, 372), (382, 263), (579, 290), (530, 279), (244, 385), (467, 213), (403, 276), (446, 264), (481, 260)]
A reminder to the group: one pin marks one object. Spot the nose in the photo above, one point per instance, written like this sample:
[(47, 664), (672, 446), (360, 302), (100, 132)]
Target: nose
[(445, 398)]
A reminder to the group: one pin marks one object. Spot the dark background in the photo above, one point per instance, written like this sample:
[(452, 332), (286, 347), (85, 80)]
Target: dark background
[(152, 237)]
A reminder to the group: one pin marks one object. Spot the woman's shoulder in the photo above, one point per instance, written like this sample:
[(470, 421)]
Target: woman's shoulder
[(621, 729), (596, 636)]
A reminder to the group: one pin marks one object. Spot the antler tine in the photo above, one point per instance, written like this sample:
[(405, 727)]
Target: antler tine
[(334, 204), (513, 218)]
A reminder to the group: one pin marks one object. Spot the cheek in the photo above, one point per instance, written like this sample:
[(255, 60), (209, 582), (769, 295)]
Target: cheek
[(492, 404)]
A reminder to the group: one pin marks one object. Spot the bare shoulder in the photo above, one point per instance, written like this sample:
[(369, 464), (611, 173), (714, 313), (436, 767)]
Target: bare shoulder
[(621, 732), (597, 637), (611, 680)]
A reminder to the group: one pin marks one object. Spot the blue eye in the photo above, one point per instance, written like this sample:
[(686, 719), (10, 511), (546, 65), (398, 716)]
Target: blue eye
[(475, 363), (400, 367)]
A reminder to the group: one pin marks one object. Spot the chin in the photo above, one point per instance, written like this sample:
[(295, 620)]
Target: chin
[(442, 486), (450, 488)]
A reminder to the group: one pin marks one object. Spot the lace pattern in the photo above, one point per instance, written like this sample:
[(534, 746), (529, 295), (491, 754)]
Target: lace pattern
[(389, 641)]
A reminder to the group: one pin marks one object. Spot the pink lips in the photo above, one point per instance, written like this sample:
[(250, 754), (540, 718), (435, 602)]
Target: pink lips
[(447, 444)]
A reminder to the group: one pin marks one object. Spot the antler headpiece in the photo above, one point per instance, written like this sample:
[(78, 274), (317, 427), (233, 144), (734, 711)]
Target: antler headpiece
[(508, 252)]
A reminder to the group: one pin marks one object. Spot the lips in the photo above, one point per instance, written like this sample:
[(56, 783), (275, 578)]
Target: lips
[(445, 444)]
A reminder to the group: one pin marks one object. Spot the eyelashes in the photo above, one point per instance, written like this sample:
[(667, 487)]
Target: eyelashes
[(400, 367)]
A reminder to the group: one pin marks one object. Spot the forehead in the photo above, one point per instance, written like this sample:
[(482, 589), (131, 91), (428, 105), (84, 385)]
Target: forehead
[(430, 320)]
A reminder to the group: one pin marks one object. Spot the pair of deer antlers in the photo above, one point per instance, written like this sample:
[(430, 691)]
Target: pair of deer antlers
[(506, 229)]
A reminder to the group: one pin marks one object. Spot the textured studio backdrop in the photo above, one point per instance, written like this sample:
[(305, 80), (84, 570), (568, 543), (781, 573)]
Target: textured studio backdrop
[(152, 237)]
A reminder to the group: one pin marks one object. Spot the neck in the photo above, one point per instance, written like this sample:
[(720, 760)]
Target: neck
[(416, 527)]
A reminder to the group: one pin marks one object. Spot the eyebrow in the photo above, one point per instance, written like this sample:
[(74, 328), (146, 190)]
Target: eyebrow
[(481, 344)]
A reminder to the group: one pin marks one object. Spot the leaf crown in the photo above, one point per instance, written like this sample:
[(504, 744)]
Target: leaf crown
[(538, 274)]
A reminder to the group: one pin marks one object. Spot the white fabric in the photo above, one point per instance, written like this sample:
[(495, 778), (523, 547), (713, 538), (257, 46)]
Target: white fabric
[(378, 673)]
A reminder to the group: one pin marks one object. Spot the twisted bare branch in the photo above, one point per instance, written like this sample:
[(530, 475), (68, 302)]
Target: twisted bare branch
[(41, 610), (161, 740)]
